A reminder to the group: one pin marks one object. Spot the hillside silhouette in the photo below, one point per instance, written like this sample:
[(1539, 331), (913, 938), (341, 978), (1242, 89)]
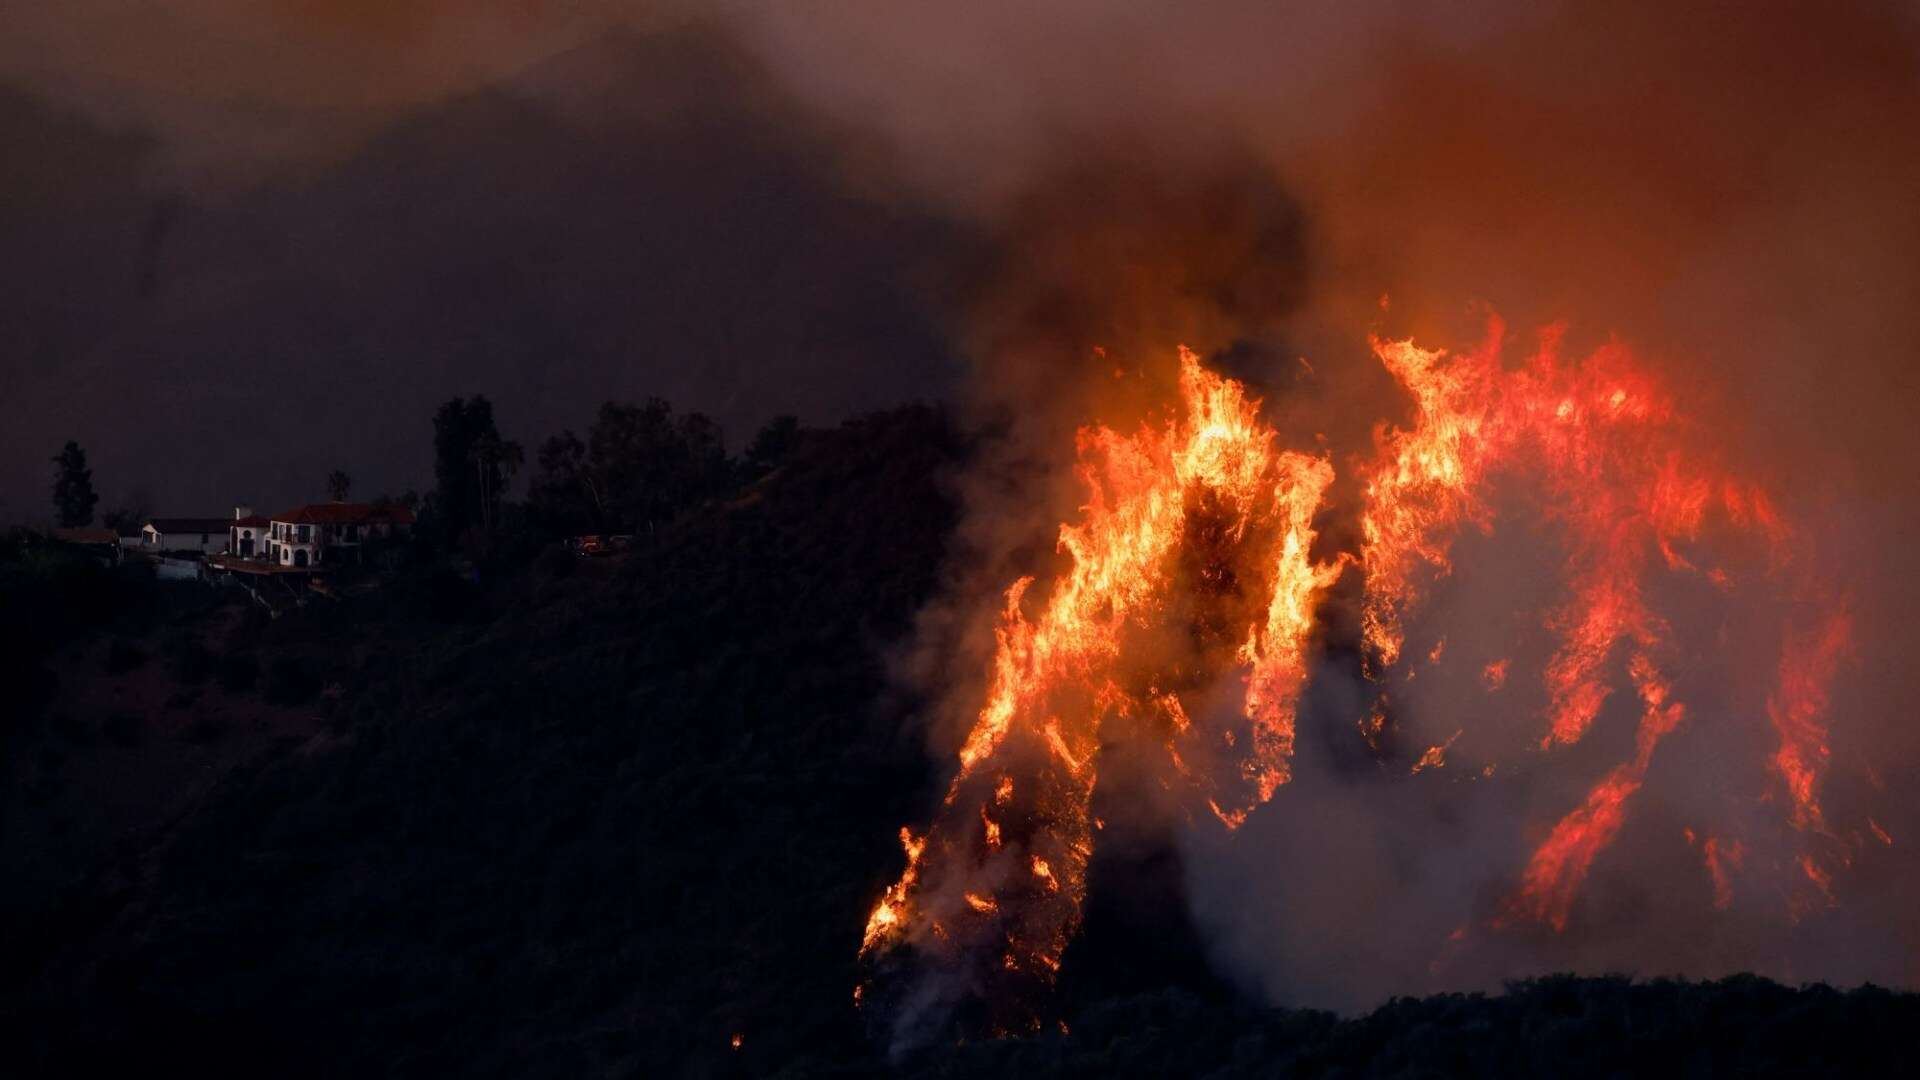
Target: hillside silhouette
[(592, 818)]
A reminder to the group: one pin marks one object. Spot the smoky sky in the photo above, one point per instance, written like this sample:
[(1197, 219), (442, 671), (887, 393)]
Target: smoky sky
[(644, 213), (1733, 190), (248, 243)]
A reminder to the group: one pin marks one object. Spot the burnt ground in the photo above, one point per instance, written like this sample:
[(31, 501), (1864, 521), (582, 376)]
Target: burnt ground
[(597, 819)]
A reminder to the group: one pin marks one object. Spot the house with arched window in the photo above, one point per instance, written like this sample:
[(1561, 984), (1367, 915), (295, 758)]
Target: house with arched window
[(325, 534), (247, 535)]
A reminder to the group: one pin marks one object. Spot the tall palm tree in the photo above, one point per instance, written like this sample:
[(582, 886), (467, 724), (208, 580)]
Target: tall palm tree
[(496, 461)]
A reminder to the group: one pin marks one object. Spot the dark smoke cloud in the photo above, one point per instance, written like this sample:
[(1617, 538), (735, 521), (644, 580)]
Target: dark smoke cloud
[(645, 214), (234, 90)]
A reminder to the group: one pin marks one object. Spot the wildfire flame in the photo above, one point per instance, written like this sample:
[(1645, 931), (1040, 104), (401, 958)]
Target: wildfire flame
[(1199, 526), (1630, 495)]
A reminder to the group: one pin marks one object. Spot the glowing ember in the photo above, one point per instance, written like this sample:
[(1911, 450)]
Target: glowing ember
[(1721, 860), (1435, 756), (1798, 710)]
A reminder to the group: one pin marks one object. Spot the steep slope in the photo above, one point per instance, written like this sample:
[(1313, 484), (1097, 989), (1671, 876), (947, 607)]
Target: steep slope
[(605, 830)]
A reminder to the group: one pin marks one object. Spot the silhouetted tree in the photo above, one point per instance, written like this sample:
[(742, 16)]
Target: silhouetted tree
[(640, 466), (128, 519), (655, 464), (338, 484), (772, 445), (567, 494), (467, 465), (629, 447), (701, 469), (409, 499), (73, 496), (496, 462)]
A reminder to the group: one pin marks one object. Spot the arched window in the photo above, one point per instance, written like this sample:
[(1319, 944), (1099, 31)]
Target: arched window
[(300, 557)]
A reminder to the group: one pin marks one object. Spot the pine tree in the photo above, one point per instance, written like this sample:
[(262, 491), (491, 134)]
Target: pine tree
[(73, 496)]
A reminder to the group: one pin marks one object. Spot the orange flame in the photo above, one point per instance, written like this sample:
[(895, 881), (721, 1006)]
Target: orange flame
[(1622, 483), (1209, 472), (1200, 512), (1560, 864), (1721, 859), (1594, 431), (1798, 709)]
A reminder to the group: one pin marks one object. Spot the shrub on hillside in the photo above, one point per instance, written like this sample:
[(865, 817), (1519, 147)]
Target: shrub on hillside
[(188, 661), (440, 594), (557, 562), (205, 729), (123, 656), (124, 729), (290, 680), (237, 672)]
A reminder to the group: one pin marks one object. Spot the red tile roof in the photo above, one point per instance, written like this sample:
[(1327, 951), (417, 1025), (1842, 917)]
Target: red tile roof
[(345, 514), (251, 521)]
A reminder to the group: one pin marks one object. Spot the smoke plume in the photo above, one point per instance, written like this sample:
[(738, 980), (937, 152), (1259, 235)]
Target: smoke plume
[(1726, 199)]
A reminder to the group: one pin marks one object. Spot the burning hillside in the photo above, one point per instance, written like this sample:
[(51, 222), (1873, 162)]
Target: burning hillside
[(1198, 603)]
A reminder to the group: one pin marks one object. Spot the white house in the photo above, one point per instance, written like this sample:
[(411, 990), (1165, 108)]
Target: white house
[(322, 534), (201, 535), (247, 534)]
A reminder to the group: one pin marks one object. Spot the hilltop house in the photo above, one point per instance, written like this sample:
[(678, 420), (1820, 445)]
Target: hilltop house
[(322, 533), (247, 533)]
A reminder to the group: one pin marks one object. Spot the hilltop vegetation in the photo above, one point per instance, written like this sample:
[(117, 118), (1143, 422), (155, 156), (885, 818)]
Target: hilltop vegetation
[(586, 817)]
